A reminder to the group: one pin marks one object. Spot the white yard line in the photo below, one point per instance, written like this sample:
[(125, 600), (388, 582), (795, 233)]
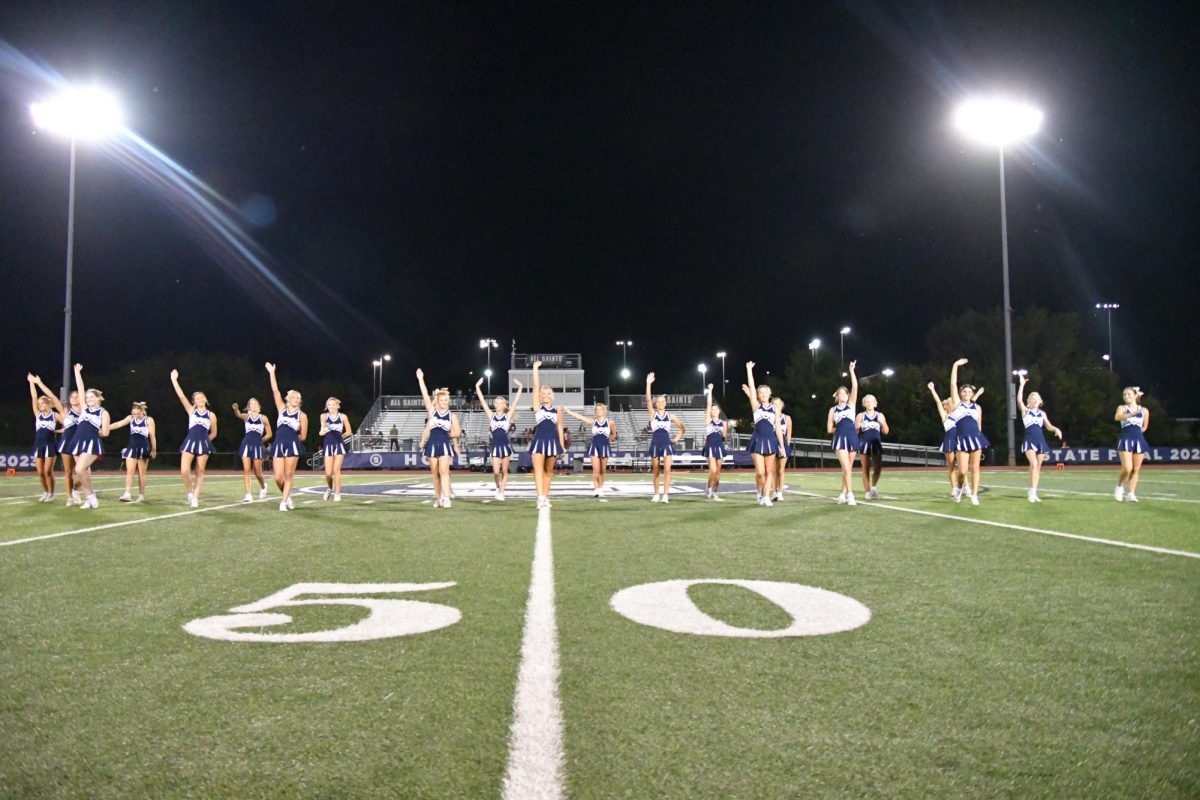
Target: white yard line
[(1043, 489), (535, 749), (1010, 526), (109, 525), (160, 482)]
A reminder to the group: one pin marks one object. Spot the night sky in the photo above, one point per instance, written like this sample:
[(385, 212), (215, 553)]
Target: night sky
[(692, 176)]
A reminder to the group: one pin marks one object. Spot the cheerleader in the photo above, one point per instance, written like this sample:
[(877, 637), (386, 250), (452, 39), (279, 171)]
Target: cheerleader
[(251, 450), (197, 442), (968, 424), (1034, 446), (785, 446), (441, 445), (44, 423), (716, 431), (499, 424), (767, 440), (845, 438), (68, 421), (600, 447), (1131, 443), (871, 426), (291, 429), (93, 426), (949, 446), (143, 446), (662, 446), (335, 430), (548, 442)]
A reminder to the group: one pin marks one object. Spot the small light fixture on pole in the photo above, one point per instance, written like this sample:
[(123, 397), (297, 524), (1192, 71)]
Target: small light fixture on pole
[(703, 370), (721, 355), (998, 122), (1108, 308), (813, 347), (488, 344), (624, 344), (88, 114), (842, 344), (888, 372), (376, 365)]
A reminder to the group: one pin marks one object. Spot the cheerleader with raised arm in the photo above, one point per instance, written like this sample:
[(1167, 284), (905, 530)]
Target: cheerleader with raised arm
[(335, 430), (197, 442), (716, 431), (1034, 447), (45, 421), (600, 446), (872, 426), (840, 424), (662, 446), (142, 448), (1131, 443), (949, 446), (443, 433), (968, 426), (767, 439), (291, 429), (785, 446), (68, 421), (252, 450), (93, 426), (548, 443), (500, 421)]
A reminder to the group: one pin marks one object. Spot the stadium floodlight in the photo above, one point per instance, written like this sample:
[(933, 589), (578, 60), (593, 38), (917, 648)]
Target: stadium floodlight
[(1019, 372), (888, 372), (721, 355), (625, 373), (80, 114), (703, 370), (624, 344), (999, 122), (842, 344), (489, 345), (1108, 308), (813, 347)]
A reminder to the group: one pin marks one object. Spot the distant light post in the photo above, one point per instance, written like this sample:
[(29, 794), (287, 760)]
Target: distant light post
[(489, 345), (375, 365), (89, 114), (624, 344), (999, 122), (813, 347), (888, 372), (842, 344), (703, 370), (721, 355), (378, 364), (1108, 308)]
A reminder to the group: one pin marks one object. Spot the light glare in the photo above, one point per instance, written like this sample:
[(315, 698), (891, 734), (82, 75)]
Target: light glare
[(997, 121), (83, 113)]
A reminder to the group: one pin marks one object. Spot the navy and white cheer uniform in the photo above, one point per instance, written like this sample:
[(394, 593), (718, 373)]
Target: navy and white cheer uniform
[(287, 442), (334, 444), (786, 451), (1035, 435), (252, 441), (714, 441), (660, 436), (438, 443), (70, 427), (966, 425), (545, 432), (870, 435), (764, 441), (498, 424), (139, 439), (844, 435), (196, 441), (601, 446), (43, 435), (1131, 438), (950, 440), (87, 437)]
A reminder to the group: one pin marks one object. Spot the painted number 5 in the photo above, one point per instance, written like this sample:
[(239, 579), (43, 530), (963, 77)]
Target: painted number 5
[(387, 618)]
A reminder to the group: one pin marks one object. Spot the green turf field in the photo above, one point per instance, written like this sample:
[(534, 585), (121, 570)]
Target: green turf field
[(1012, 650)]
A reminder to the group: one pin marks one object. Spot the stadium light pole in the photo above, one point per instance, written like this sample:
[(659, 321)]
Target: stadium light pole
[(488, 344), (721, 355), (88, 114), (624, 344), (379, 362), (842, 344), (703, 370), (813, 347), (375, 365), (998, 122), (1108, 308)]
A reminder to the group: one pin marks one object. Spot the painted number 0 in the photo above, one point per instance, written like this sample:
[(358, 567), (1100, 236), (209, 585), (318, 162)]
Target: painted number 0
[(387, 618)]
